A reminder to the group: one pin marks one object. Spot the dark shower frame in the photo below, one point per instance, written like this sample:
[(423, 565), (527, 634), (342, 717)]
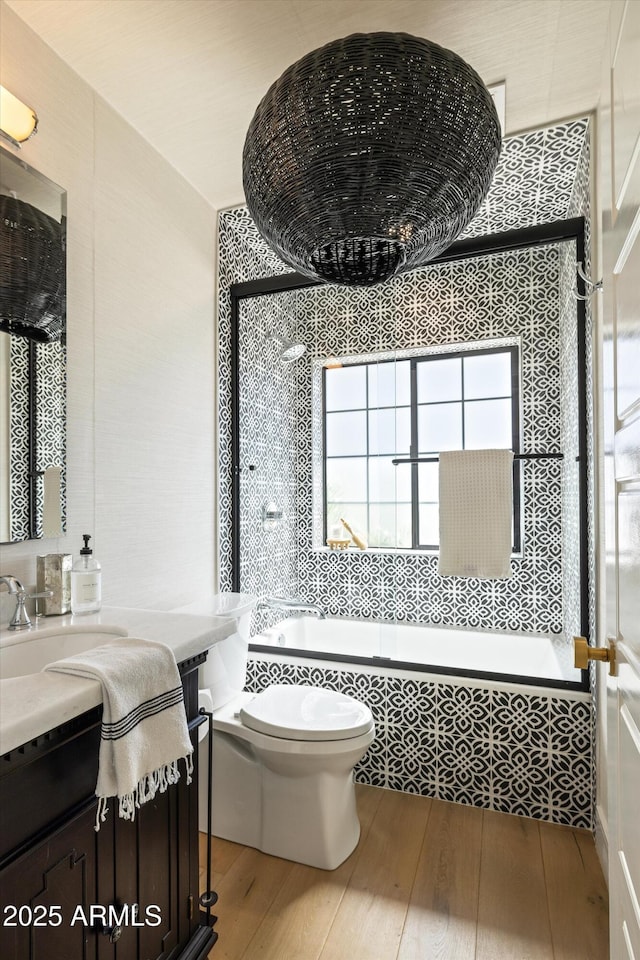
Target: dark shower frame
[(540, 235)]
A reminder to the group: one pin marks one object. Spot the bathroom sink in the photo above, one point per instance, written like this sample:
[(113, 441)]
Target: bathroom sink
[(25, 653)]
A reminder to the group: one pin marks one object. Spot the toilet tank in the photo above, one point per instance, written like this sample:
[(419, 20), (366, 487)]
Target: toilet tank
[(225, 670)]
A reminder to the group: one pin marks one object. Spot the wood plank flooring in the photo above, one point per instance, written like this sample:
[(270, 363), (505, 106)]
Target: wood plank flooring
[(428, 881)]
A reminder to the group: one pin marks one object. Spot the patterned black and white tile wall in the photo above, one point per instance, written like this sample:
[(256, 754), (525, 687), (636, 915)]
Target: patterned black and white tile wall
[(515, 295), (503, 298), (507, 750), (508, 295), (580, 206), (49, 371), (503, 749), (535, 183)]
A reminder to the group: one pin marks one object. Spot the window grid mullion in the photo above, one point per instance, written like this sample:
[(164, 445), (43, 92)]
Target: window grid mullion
[(415, 513), (413, 409), (462, 404)]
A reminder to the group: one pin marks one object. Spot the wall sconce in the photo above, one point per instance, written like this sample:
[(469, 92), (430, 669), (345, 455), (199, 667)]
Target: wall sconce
[(18, 122)]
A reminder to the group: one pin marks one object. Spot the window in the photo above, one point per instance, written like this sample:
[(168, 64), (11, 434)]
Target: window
[(377, 411)]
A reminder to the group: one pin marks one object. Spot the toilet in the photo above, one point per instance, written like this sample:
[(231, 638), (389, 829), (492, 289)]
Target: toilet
[(283, 759)]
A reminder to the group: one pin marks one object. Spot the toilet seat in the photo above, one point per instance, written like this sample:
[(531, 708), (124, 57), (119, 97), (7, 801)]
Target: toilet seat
[(294, 712)]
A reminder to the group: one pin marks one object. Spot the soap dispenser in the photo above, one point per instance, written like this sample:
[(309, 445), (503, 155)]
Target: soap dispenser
[(86, 581)]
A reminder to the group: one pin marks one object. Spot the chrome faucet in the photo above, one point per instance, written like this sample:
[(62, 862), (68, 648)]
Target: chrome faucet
[(20, 619), (280, 603)]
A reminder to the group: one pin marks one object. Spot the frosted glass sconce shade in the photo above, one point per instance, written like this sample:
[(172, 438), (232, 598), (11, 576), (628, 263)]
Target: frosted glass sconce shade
[(18, 122)]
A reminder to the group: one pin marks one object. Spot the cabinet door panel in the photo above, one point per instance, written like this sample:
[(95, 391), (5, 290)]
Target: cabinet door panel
[(152, 862), (59, 873), (157, 832), (105, 878), (36, 793)]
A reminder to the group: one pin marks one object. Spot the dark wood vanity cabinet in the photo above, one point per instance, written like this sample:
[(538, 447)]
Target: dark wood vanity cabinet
[(57, 872)]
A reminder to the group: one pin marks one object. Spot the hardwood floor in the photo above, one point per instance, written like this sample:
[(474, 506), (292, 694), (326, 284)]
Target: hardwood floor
[(428, 881)]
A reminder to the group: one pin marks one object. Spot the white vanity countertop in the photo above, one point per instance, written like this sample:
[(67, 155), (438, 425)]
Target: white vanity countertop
[(30, 705)]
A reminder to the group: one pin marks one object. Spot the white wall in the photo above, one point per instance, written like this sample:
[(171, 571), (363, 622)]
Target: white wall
[(140, 315)]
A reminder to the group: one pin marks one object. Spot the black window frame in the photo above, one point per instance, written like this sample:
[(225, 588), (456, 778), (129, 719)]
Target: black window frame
[(513, 350)]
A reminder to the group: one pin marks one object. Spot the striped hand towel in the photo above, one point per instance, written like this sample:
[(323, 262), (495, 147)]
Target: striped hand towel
[(476, 510), (144, 726)]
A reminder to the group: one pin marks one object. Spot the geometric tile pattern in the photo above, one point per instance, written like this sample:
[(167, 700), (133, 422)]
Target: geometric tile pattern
[(534, 181), (50, 438), (511, 295), (19, 439), (50, 434), (504, 750), (507, 297), (570, 445), (580, 205)]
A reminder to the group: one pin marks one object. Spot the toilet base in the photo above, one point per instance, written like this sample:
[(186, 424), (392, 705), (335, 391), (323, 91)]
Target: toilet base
[(287, 805)]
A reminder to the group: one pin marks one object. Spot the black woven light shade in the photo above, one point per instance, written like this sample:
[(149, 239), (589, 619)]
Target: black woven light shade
[(32, 272), (369, 156)]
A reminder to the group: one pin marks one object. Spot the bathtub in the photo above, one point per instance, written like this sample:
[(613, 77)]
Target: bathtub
[(481, 718), (526, 658)]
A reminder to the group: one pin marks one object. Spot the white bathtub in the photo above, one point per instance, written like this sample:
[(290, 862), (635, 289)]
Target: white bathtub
[(466, 652)]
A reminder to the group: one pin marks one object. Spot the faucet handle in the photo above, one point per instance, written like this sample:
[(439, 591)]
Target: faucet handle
[(21, 619)]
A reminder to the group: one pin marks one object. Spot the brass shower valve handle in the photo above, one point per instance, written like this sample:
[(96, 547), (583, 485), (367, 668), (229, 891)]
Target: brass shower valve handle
[(583, 653)]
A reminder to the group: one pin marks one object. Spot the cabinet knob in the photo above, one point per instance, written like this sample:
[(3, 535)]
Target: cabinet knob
[(114, 933)]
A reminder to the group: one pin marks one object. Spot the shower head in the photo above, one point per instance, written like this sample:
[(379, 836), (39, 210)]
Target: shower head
[(288, 350)]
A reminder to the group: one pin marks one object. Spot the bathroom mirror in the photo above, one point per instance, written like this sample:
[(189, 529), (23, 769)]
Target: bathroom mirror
[(32, 352)]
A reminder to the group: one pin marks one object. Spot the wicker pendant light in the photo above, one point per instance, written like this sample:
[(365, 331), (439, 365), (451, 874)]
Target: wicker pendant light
[(32, 272), (369, 156)]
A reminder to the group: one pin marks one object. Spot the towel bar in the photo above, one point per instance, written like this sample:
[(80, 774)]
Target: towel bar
[(516, 456)]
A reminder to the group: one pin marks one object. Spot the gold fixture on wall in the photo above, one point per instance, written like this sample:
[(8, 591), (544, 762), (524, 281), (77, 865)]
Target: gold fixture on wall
[(583, 653), (18, 122)]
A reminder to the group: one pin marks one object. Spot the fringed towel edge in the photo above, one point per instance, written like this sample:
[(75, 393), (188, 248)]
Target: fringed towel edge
[(145, 789)]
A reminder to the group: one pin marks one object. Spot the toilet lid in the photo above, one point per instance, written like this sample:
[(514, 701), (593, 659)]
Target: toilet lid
[(306, 713)]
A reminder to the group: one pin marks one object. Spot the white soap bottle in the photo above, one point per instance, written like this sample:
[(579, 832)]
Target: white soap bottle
[(86, 581)]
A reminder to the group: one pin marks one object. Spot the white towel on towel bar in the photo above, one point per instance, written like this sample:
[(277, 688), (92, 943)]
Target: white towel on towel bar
[(476, 512), (144, 726)]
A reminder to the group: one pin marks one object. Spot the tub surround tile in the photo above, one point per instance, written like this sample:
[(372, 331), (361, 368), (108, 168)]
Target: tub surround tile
[(318, 677), (468, 795), (463, 711), (502, 750), (570, 726), (513, 294), (464, 763), (520, 772), (411, 703), (369, 688), (517, 718), (411, 753), (489, 747)]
